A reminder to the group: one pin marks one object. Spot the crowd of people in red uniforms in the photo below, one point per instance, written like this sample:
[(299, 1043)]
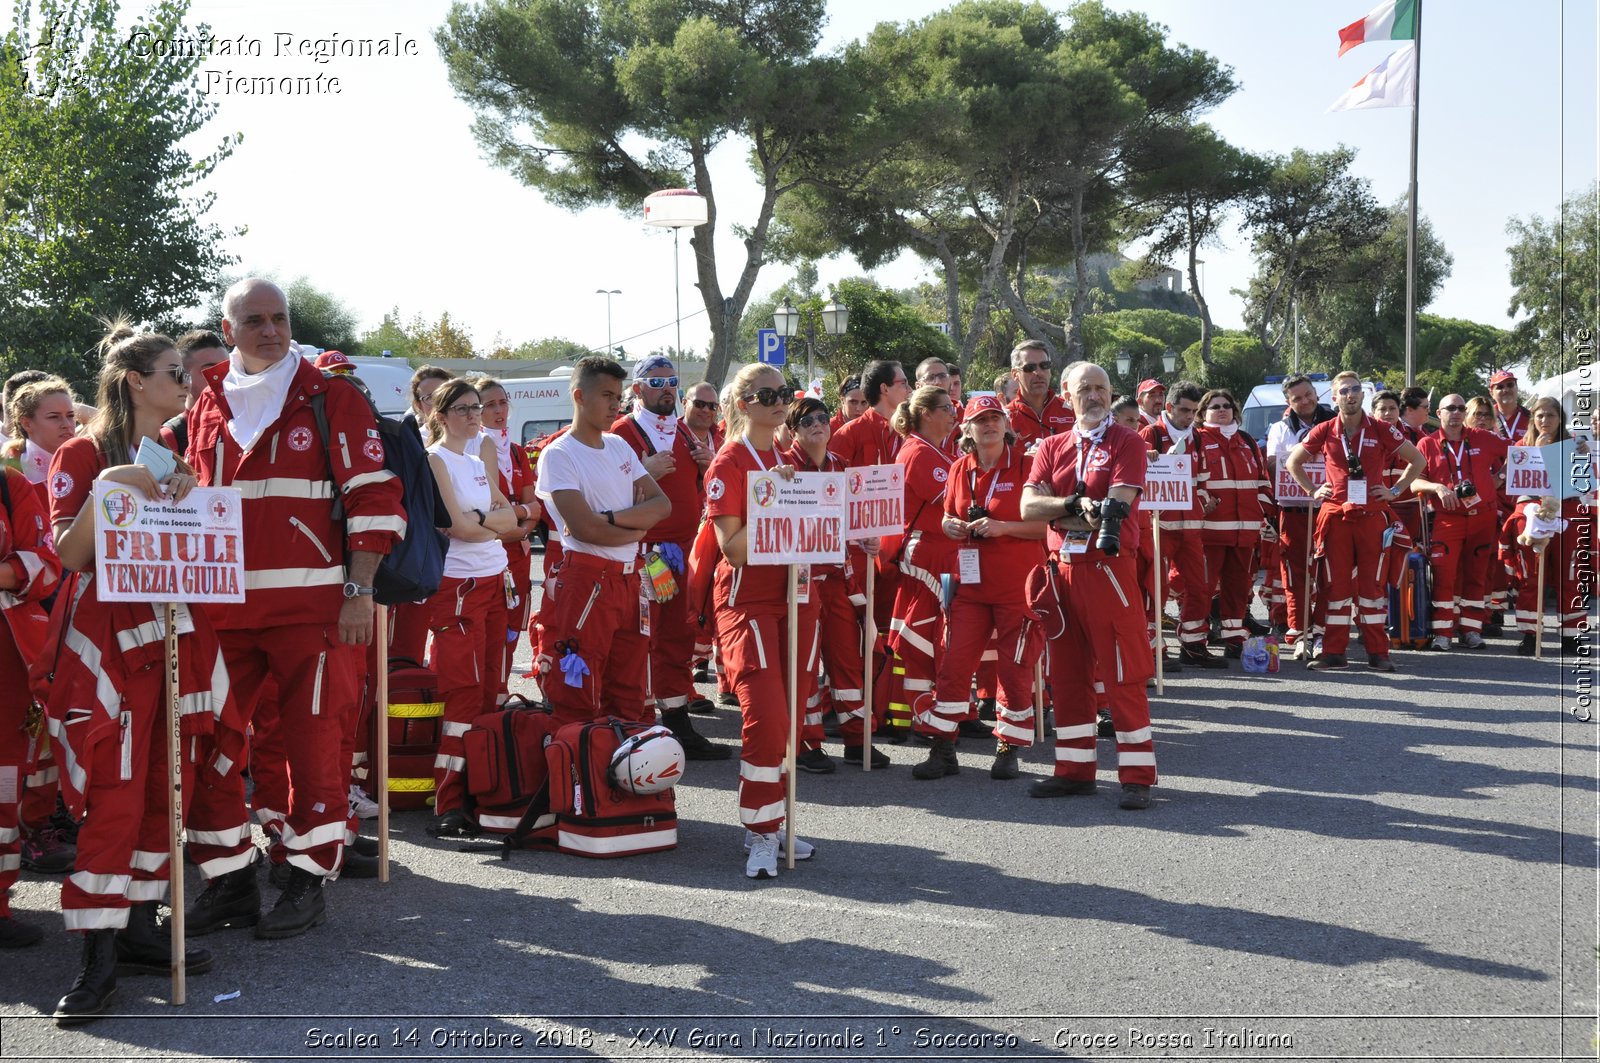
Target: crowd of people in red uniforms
[(1024, 577)]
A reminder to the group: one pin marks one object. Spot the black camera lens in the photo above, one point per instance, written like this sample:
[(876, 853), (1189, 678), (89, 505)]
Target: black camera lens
[(1466, 489), (976, 512), (1356, 470)]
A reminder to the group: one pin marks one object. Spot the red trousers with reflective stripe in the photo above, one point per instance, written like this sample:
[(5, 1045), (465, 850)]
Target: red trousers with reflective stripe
[(408, 631), (538, 641), (1228, 575), (318, 679), (1563, 574), (1183, 570), (1105, 641), (1351, 548), (1461, 568), (672, 638), (14, 701), (123, 844), (1294, 532), (520, 565), (840, 636), (754, 645), (468, 620), (593, 610), (979, 609)]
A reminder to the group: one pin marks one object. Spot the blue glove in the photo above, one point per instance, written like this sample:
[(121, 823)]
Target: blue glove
[(573, 668), (672, 555)]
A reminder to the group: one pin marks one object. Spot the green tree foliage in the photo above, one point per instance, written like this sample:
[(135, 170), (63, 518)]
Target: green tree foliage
[(1312, 215), (601, 102), (1354, 315), (1555, 266), (1239, 362), (391, 336), (551, 349), (1457, 356), (320, 319), (441, 339), (99, 208)]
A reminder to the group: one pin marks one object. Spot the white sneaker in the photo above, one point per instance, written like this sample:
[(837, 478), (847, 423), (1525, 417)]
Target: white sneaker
[(1441, 642), (361, 805), (802, 848), (1472, 640), (763, 859)]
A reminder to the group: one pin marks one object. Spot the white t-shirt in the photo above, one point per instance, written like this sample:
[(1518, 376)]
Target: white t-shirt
[(605, 476), (469, 479)]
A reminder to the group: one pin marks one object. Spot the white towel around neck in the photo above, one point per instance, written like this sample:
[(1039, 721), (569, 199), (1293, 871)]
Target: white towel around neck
[(256, 399)]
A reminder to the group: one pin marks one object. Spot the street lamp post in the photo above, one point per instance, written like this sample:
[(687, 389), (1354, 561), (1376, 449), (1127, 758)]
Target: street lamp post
[(608, 293), (1124, 363), (1169, 361), (835, 321)]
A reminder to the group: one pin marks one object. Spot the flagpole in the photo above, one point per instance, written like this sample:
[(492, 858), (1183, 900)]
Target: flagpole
[(1411, 219)]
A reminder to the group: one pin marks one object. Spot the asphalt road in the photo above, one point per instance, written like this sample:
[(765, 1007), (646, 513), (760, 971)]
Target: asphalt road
[(1336, 867)]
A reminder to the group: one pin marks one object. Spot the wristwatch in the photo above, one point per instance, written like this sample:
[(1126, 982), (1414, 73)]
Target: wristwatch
[(356, 590)]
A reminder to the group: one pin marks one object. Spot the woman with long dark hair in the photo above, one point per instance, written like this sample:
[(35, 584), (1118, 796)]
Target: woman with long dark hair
[(1547, 424)]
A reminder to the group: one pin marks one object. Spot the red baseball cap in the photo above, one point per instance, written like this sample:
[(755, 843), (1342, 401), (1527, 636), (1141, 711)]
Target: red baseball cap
[(335, 361), (1150, 385), (1501, 376), (982, 404)]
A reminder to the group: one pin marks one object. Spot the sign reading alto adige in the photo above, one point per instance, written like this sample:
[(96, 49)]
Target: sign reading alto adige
[(189, 551), (796, 522)]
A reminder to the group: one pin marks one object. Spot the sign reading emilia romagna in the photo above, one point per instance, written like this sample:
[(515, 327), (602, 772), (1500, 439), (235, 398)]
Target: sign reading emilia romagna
[(189, 551), (796, 522)]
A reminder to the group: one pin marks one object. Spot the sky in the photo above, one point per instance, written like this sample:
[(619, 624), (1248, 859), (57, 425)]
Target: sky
[(379, 194)]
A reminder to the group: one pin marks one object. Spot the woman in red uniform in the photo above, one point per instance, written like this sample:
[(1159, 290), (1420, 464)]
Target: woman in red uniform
[(1238, 486), (29, 572), (516, 484), (106, 704), (1562, 568), (995, 550), (43, 416), (751, 603), (916, 626), (468, 613), (838, 626)]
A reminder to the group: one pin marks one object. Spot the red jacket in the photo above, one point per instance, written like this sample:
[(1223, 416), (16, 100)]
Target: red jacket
[(683, 486), (1237, 479), (867, 440), (1158, 439), (1031, 427), (294, 549)]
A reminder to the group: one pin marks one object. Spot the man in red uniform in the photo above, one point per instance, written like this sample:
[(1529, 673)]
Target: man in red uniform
[(1035, 413), (604, 504), (1304, 412), (1183, 549), (1086, 483), (677, 461), (1511, 424), (1466, 522), (1354, 518), (1152, 398), (307, 614)]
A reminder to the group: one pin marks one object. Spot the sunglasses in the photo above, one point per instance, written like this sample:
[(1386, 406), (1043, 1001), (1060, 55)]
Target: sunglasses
[(1502, 386), (1354, 389), (813, 420), (702, 404), (659, 382), (1452, 409), (765, 396), (1036, 367), (179, 374), (1220, 406), (474, 409)]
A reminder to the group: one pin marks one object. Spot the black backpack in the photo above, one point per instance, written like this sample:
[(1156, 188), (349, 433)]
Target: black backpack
[(412, 570)]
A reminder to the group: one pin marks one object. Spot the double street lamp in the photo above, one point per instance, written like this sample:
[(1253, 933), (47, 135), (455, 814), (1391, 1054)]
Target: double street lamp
[(608, 293), (835, 320)]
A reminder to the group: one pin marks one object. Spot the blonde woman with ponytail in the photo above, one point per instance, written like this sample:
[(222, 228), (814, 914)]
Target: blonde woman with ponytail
[(119, 783), (751, 609)]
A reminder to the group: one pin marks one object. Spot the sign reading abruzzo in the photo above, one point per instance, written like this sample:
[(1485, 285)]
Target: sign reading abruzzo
[(189, 551), (877, 495), (796, 522)]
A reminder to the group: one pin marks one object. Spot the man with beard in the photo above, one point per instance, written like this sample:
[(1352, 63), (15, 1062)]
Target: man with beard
[(1294, 531)]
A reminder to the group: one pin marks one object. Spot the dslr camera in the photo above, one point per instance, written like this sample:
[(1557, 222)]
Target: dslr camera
[(1466, 489), (976, 512)]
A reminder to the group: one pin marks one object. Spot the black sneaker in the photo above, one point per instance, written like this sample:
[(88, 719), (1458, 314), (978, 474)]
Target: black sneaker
[(364, 845), (453, 824), (702, 673), (696, 746), (880, 759), (702, 707), (729, 698), (1135, 797), (15, 935), (1380, 664), (975, 729), (1326, 662), (355, 865), (941, 761), (1200, 657), (144, 946), (1233, 651), (815, 761), (300, 907), (1525, 648), (231, 899), (1056, 786)]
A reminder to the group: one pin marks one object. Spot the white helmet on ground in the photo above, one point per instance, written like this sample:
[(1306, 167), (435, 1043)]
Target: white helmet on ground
[(648, 762)]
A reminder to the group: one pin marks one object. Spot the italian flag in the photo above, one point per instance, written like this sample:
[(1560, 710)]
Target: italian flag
[(1392, 20), (1392, 83)]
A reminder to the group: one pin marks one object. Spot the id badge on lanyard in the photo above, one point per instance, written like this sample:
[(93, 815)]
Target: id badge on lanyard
[(1355, 492), (802, 585), (967, 559), (644, 605)]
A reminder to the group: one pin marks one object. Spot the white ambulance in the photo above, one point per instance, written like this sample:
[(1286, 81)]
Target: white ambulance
[(539, 405)]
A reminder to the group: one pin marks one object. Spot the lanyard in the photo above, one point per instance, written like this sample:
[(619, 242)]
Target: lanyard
[(1513, 429), (1361, 440), (1085, 453), (754, 453), (936, 449), (972, 481), (1456, 456)]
